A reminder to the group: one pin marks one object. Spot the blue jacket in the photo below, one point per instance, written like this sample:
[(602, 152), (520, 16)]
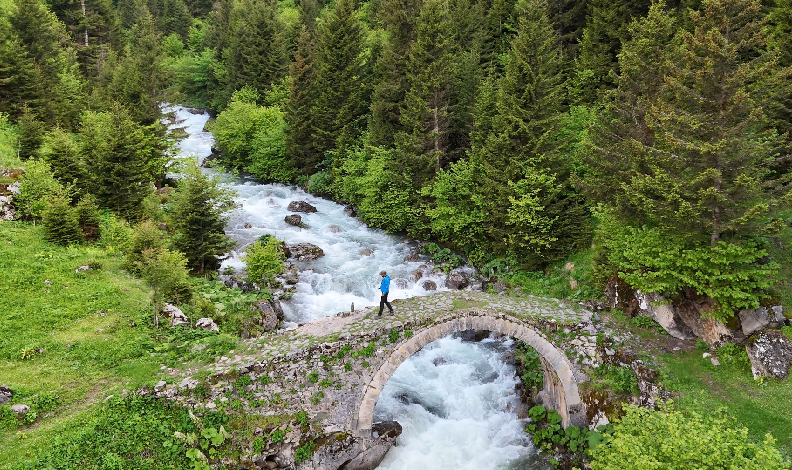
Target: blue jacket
[(385, 286)]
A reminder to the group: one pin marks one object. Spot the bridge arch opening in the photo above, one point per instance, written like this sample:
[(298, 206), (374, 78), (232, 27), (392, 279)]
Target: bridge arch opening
[(560, 384)]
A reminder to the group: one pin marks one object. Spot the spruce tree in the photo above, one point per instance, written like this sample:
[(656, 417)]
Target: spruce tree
[(175, 18), (518, 167), (122, 159), (19, 76), (695, 185), (302, 96), (61, 222), (390, 87), (255, 56), (340, 107), (426, 113), (200, 212), (62, 151)]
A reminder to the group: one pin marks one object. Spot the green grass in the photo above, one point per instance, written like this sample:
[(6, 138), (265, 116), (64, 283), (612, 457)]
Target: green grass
[(461, 304), (88, 333), (555, 282), (765, 408)]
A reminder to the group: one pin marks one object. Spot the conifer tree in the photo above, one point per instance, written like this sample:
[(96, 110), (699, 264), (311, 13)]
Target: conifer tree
[(340, 107), (517, 165), (426, 113), (695, 184), (200, 213), (255, 56), (390, 88), (62, 151), (302, 97), (19, 76), (61, 222), (175, 18), (122, 159), (219, 25)]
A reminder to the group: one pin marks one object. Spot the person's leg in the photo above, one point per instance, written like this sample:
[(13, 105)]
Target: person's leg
[(383, 299), (387, 303)]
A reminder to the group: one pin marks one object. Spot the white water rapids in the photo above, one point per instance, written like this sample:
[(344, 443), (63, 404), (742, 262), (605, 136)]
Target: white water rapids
[(456, 414)]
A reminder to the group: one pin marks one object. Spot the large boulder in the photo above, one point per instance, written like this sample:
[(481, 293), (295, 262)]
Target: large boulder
[(5, 394), (429, 285), (620, 295), (301, 206), (271, 312), (456, 280), (770, 353), (7, 209), (663, 312), (694, 312), (206, 324), (760, 318), (293, 219), (175, 315), (305, 252), (385, 435)]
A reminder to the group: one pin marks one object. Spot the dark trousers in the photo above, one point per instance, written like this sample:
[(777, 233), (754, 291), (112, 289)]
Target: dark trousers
[(384, 302)]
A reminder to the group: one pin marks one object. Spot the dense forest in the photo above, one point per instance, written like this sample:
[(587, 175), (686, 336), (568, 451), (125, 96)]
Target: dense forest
[(652, 139), (517, 132)]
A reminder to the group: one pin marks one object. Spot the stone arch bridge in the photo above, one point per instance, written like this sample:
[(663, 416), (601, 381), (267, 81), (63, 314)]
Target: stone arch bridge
[(335, 368)]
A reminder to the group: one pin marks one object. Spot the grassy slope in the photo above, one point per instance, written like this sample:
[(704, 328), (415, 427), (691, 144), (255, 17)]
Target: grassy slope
[(765, 408), (701, 386), (81, 323), (8, 138)]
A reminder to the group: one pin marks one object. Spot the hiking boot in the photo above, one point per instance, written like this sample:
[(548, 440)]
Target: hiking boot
[(391, 313)]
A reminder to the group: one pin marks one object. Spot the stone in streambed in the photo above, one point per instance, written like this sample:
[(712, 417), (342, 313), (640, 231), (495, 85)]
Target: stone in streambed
[(293, 219), (305, 252), (301, 206), (429, 285)]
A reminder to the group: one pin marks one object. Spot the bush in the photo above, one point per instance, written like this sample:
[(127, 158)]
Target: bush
[(734, 275), (88, 218), (115, 233), (672, 439), (62, 222), (264, 261)]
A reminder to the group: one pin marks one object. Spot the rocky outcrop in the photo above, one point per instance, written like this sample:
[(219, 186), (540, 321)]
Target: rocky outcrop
[(175, 315), (693, 313), (620, 295), (663, 312), (758, 319), (305, 252), (293, 219), (457, 280), (301, 206), (7, 209), (270, 312), (770, 353), (5, 394), (474, 336), (206, 324)]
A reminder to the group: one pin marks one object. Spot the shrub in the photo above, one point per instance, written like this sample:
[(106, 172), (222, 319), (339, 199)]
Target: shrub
[(115, 233), (264, 261), (88, 217), (62, 222), (673, 439)]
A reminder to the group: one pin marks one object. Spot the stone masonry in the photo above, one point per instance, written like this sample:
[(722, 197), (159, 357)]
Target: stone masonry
[(333, 369)]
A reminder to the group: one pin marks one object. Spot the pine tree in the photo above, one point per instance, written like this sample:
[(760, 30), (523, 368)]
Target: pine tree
[(426, 114), (340, 107), (175, 19), (88, 218), (94, 27), (219, 25), (130, 12), (390, 88), (122, 160), (298, 116), (199, 8), (200, 212), (569, 19), (254, 56), (19, 76)]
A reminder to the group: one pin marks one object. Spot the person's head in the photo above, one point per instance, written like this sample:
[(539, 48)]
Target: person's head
[(383, 273)]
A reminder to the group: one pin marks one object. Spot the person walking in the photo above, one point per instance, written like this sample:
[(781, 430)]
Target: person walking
[(384, 288)]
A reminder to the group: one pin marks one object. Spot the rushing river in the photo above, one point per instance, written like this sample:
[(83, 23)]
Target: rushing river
[(453, 399)]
